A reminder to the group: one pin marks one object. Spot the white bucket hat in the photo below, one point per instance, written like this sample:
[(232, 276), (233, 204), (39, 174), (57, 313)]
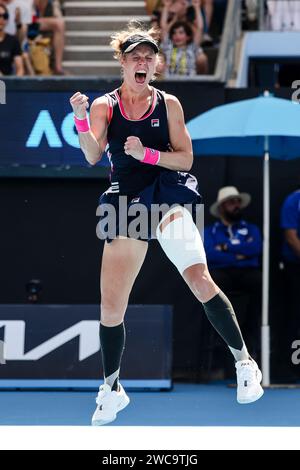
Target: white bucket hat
[(228, 192)]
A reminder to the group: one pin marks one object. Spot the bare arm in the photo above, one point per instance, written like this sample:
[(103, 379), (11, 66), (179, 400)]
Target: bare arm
[(93, 142), (19, 65), (29, 70), (164, 24), (182, 156), (293, 240), (198, 24)]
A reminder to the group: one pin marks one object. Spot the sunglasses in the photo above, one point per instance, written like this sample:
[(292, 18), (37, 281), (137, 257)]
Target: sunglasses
[(4, 16)]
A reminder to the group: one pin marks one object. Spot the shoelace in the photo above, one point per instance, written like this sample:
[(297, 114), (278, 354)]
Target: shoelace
[(106, 400), (101, 394), (248, 374)]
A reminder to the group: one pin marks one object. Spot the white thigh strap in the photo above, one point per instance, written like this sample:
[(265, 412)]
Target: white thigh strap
[(181, 240)]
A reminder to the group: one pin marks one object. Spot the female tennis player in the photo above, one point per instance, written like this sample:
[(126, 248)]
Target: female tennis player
[(150, 153)]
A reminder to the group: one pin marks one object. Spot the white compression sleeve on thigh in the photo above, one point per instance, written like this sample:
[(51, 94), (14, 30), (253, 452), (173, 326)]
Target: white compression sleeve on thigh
[(181, 240)]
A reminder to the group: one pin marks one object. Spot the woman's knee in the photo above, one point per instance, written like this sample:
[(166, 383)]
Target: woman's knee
[(52, 24), (60, 25), (200, 282), (112, 313), (109, 318)]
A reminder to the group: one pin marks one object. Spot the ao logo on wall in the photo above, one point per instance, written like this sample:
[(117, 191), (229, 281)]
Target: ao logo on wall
[(44, 126)]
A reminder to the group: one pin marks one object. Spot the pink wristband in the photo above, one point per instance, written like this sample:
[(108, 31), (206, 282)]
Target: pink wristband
[(151, 156), (82, 125)]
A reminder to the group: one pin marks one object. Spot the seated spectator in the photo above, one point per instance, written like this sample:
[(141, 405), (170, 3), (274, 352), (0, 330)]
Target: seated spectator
[(50, 19), (181, 10), (10, 50), (181, 45), (251, 9), (290, 223), (233, 247), (178, 10), (20, 16), (284, 15)]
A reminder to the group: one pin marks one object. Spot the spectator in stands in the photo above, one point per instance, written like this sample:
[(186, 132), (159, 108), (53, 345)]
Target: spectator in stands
[(251, 9), (233, 247), (284, 15), (10, 50), (20, 16), (290, 223), (181, 45), (177, 11), (50, 19), (207, 9), (182, 10)]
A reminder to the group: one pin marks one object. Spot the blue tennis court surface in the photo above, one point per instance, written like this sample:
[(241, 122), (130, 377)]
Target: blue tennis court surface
[(185, 405)]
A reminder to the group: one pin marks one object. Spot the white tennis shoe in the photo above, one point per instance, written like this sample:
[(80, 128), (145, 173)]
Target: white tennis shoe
[(248, 381), (109, 403)]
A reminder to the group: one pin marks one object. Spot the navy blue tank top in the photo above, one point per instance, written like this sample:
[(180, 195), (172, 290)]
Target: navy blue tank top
[(128, 175)]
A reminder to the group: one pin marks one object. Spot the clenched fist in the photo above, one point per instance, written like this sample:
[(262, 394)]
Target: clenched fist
[(79, 103), (134, 147)]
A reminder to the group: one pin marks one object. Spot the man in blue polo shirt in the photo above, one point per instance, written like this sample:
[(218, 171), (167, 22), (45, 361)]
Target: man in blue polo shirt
[(233, 247), (290, 223)]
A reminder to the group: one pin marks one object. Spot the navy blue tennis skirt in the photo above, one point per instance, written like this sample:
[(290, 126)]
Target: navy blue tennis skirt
[(118, 212)]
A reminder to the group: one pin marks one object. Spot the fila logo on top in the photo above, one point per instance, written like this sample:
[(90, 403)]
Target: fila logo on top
[(154, 122)]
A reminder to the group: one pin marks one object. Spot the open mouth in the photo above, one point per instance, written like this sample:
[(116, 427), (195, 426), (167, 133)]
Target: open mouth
[(140, 77)]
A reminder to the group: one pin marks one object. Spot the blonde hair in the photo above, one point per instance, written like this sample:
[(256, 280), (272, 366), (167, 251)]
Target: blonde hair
[(133, 27)]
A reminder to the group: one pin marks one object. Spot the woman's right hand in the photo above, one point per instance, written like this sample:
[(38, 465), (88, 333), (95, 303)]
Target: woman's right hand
[(79, 103)]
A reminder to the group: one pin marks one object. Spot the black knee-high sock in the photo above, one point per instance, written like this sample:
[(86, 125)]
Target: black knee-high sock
[(112, 341), (221, 315)]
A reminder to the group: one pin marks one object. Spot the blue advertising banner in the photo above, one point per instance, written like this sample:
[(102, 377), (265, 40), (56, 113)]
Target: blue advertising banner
[(58, 346), (37, 129)]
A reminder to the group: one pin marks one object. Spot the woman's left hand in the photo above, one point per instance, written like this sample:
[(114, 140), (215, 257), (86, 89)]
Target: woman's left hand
[(134, 147)]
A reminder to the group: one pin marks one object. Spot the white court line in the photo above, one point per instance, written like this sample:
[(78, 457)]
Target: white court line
[(146, 438)]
